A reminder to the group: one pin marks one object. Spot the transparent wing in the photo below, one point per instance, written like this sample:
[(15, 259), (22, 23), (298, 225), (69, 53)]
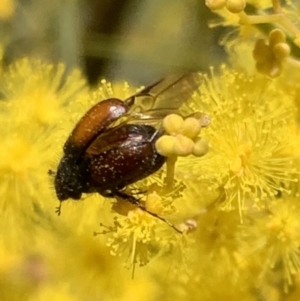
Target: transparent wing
[(165, 96)]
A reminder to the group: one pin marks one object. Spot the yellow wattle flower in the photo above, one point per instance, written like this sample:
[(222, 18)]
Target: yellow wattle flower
[(250, 157), (272, 239), (34, 97), (39, 91), (137, 235)]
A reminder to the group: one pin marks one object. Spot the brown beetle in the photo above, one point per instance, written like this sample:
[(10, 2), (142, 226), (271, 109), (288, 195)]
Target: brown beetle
[(113, 144)]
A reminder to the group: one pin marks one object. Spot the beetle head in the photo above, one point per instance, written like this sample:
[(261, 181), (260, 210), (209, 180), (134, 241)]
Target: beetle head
[(68, 179)]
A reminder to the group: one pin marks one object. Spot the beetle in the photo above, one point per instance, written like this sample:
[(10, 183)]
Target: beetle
[(113, 144)]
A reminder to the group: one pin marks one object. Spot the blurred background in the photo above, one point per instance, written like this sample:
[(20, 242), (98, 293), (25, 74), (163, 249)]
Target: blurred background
[(133, 40)]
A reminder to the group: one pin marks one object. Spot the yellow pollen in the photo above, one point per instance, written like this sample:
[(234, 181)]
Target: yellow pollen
[(238, 164)]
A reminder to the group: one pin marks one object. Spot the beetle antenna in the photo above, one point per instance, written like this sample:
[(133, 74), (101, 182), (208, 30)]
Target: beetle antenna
[(136, 202), (142, 207)]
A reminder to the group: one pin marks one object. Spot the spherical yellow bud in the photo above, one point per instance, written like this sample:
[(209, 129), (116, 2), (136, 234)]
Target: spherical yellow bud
[(200, 147), (262, 68), (165, 145), (215, 4), (172, 123), (235, 6), (183, 146), (272, 68), (281, 51), (297, 40), (276, 36), (262, 52), (191, 127)]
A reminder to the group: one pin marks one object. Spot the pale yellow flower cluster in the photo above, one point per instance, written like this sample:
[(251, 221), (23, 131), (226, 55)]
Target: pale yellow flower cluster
[(234, 6), (246, 134), (183, 138), (270, 54)]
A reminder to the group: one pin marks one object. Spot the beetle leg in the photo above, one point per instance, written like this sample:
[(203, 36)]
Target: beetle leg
[(137, 191), (51, 172), (136, 202), (58, 209), (107, 194)]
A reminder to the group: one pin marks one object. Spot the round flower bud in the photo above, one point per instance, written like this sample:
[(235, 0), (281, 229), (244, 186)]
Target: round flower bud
[(261, 52), (297, 40), (172, 123), (183, 145), (165, 145), (191, 127), (235, 6), (281, 51), (200, 148), (215, 4), (271, 68), (276, 36)]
